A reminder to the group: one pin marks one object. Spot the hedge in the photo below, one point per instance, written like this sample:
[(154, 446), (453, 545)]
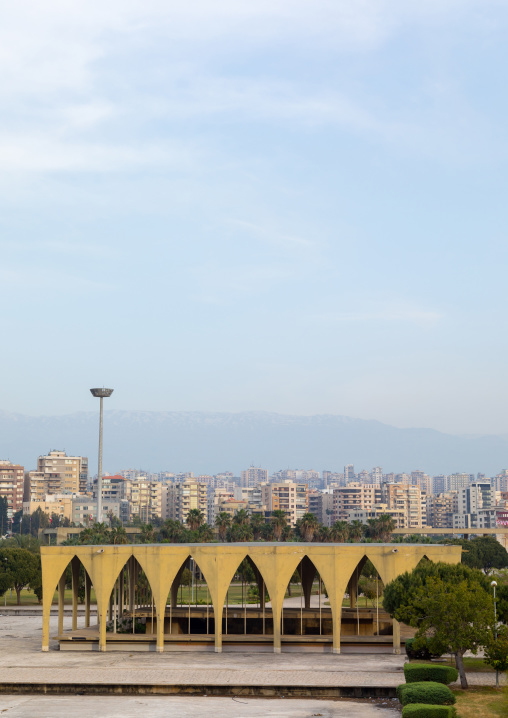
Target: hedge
[(423, 710), (421, 654), (416, 672), (425, 692)]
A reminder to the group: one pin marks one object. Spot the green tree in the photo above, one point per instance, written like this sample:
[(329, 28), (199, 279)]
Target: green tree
[(195, 519), (380, 529), (22, 568), (279, 523), (496, 650), (307, 526), (239, 532), (223, 522), (257, 524), (449, 605), (339, 532), (118, 535), (484, 552), (356, 531), (171, 531), (95, 534), (4, 519), (241, 518)]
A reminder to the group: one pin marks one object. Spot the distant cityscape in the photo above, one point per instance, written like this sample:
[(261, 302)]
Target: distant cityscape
[(62, 489)]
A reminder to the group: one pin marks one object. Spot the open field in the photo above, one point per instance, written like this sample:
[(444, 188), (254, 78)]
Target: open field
[(482, 703), (198, 594)]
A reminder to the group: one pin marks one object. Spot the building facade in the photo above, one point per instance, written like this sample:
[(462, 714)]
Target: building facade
[(11, 488)]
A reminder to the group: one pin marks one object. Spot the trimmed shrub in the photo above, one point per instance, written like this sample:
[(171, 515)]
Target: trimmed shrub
[(425, 692), (422, 654), (423, 710), (417, 672)]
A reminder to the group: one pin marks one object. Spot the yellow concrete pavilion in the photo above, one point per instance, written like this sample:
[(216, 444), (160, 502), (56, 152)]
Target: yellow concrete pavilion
[(135, 581)]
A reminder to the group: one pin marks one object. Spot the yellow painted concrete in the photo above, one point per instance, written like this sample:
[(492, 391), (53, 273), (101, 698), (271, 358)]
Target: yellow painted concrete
[(336, 563)]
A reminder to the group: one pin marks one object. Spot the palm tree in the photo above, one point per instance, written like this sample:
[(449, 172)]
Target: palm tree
[(239, 532), (279, 523), (324, 534), (147, 534), (308, 525), (118, 535), (172, 530), (257, 522), (223, 522), (356, 531), (205, 534), (195, 519), (387, 526), (241, 517), (339, 532)]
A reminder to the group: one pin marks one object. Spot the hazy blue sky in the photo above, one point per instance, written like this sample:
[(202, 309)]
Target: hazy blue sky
[(287, 205)]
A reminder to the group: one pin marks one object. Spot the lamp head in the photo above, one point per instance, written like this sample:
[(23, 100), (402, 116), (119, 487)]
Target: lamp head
[(101, 392), (493, 583)]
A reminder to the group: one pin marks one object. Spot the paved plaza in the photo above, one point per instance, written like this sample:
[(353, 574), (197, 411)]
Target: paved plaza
[(21, 661), (188, 707)]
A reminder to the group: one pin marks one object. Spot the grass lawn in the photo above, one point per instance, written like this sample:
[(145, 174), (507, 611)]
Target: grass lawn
[(482, 703)]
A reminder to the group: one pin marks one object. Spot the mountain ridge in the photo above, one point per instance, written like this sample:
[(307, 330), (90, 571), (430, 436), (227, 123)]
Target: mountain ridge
[(209, 442)]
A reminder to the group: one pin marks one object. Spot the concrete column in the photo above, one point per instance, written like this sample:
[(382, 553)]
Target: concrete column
[(396, 637), (276, 615), (75, 564), (131, 584), (307, 571), (160, 632), (121, 594), (61, 599), (352, 589), (47, 600), (218, 631), (176, 585), (88, 591)]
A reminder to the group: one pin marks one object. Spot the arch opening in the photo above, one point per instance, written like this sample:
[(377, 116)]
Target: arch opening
[(306, 610), (188, 608), (247, 608), (362, 606), (131, 607)]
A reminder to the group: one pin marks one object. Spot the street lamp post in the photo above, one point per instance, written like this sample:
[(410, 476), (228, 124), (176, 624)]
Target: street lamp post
[(494, 584), (101, 393)]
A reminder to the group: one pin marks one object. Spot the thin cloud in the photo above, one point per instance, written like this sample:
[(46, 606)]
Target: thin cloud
[(388, 314), (271, 236)]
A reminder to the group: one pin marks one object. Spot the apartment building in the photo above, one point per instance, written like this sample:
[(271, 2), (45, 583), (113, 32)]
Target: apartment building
[(254, 498), (57, 473), (476, 496), (424, 482), (232, 506), (59, 504), (321, 505), (214, 500), (441, 508), (84, 510), (145, 499), (407, 498), (455, 482), (11, 488), (375, 512), (354, 496), (253, 476), (114, 488), (287, 496), (186, 496)]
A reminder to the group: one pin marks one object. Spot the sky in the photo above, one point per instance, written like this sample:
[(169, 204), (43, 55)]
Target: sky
[(295, 206)]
